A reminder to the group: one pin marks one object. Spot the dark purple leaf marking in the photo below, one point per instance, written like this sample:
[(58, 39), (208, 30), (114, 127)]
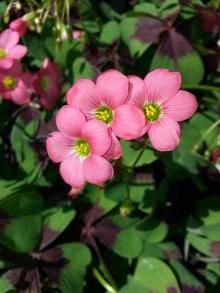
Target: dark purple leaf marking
[(174, 45), (149, 29), (214, 248)]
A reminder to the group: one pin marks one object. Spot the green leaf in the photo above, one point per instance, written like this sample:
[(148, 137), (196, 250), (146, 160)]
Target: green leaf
[(128, 27), (5, 285), (175, 52), (212, 231), (128, 244), (153, 231), (188, 281), (21, 139), (156, 275), (82, 69), (208, 211), (55, 221), (22, 203), (22, 234), (110, 32), (130, 155), (78, 257), (134, 286), (202, 244)]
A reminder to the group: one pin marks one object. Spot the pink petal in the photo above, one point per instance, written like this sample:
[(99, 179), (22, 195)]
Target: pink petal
[(70, 121), (138, 91), (97, 170), (20, 94), (8, 39), (162, 84), (115, 150), (82, 96), (71, 170), (112, 88), (182, 106), (6, 63), (19, 25), (58, 146), (128, 122), (165, 134), (17, 52), (97, 134)]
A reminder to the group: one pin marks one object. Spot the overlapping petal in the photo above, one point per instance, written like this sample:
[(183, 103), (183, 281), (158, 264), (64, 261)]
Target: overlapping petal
[(97, 170), (128, 122), (58, 146), (71, 170), (164, 134), (182, 106), (112, 88), (70, 121), (162, 84), (97, 134)]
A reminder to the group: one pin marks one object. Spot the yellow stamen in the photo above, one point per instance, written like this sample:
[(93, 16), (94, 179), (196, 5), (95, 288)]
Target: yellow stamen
[(152, 111), (82, 148), (2, 53), (104, 114), (9, 82)]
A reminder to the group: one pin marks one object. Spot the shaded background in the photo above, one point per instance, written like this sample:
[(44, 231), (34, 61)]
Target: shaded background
[(164, 236)]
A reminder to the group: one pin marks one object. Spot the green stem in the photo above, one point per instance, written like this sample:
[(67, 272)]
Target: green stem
[(103, 282), (207, 132), (202, 87), (139, 156)]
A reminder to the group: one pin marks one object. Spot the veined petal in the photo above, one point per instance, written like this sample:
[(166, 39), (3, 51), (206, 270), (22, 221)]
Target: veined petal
[(164, 134), (8, 39), (82, 95), (128, 122), (97, 170), (162, 84), (17, 52), (182, 106), (71, 170), (58, 146), (137, 92), (97, 134), (112, 88), (70, 121), (115, 150)]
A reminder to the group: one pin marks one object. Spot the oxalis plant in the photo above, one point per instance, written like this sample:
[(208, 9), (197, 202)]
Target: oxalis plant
[(110, 150)]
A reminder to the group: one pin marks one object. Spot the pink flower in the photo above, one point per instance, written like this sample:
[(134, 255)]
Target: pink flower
[(106, 101), (19, 25), (77, 34), (9, 48), (163, 105), (79, 146), (47, 84), (15, 84)]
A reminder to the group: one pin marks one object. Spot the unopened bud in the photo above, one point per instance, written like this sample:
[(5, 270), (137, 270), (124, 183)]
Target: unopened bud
[(126, 208)]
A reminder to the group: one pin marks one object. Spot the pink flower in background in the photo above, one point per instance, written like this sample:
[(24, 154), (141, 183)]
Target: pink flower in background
[(19, 25), (9, 48), (106, 101), (77, 34), (15, 84), (79, 146), (47, 84), (163, 105)]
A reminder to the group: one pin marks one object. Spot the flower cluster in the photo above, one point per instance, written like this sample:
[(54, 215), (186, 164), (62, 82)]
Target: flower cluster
[(17, 85), (116, 107)]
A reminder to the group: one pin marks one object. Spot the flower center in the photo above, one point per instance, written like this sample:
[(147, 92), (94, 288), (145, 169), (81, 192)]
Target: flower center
[(82, 148), (9, 82), (2, 53), (152, 111), (44, 82), (104, 114)]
